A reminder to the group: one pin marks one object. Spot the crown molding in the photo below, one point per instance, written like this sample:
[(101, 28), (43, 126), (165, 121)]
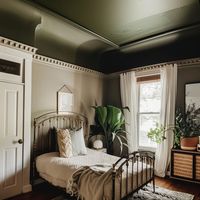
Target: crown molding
[(180, 63), (64, 65), (17, 45), (185, 62)]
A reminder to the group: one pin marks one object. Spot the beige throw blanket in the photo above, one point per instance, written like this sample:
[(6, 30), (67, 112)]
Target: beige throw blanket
[(89, 183), (95, 182)]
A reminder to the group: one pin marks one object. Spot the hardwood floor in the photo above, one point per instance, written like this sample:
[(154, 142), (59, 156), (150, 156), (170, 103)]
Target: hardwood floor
[(181, 186), (47, 192)]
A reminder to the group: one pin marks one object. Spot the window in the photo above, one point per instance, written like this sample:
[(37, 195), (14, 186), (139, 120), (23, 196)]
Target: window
[(149, 103)]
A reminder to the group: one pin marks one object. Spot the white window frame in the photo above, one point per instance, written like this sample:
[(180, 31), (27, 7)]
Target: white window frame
[(138, 116)]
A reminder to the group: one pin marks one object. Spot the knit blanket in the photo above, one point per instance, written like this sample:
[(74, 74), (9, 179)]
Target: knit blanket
[(89, 183)]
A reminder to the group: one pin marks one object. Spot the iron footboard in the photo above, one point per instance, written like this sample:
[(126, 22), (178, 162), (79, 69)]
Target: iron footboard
[(132, 173)]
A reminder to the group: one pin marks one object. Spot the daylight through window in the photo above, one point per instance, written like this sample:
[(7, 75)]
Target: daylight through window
[(149, 103)]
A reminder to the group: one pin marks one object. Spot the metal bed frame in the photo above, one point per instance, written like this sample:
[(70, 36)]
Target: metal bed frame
[(43, 142)]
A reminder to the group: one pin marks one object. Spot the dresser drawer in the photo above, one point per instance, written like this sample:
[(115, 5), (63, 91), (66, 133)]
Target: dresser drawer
[(183, 165), (198, 168)]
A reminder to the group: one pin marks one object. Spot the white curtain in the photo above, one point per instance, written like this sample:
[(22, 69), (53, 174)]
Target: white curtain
[(167, 117), (128, 88)]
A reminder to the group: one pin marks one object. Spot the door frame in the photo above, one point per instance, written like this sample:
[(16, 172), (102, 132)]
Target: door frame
[(26, 58)]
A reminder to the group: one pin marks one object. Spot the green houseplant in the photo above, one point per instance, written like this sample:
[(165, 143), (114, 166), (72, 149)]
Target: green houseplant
[(186, 129), (111, 120)]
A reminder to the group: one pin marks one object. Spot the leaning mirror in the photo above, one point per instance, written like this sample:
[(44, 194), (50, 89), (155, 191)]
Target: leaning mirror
[(192, 95), (192, 121), (192, 99)]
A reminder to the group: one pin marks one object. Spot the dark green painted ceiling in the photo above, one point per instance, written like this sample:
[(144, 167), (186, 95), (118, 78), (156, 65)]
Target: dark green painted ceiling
[(124, 21), (106, 35)]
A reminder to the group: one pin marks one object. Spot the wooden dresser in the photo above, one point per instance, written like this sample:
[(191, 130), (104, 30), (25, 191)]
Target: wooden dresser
[(185, 165)]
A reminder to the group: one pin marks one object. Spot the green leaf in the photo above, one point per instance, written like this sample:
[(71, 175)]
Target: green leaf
[(101, 113), (120, 142), (114, 117), (157, 134), (123, 137), (113, 136)]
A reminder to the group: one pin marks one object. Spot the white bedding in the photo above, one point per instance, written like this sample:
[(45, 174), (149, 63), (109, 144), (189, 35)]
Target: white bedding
[(57, 170)]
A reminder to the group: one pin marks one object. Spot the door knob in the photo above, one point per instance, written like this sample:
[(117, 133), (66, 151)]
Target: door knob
[(20, 141)]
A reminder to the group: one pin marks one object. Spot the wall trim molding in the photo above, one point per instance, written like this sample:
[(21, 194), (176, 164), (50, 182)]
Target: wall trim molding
[(180, 64), (44, 59), (191, 61), (72, 67), (17, 45), (64, 65)]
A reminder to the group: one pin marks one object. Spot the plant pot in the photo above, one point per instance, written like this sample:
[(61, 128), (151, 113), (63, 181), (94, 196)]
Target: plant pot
[(189, 143)]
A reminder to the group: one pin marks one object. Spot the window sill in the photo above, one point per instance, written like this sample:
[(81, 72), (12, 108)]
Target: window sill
[(142, 148)]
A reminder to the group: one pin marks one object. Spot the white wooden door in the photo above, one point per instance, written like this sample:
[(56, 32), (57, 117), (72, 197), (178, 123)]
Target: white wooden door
[(11, 139)]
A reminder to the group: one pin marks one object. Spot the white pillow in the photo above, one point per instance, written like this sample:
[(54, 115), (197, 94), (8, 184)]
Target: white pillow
[(78, 142)]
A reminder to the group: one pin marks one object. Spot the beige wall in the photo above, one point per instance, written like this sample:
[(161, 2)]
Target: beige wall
[(89, 88), (47, 80), (112, 90)]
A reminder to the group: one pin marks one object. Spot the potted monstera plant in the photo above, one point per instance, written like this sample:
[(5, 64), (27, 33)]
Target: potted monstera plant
[(111, 120)]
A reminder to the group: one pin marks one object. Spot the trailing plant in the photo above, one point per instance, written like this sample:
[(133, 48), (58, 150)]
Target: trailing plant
[(186, 125), (157, 134), (111, 120)]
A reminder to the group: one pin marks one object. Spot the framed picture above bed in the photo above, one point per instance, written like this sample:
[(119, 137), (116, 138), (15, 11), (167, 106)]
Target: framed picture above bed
[(65, 100)]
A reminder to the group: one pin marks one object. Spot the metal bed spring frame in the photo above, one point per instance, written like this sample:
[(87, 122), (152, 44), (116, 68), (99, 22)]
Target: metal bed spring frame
[(44, 143)]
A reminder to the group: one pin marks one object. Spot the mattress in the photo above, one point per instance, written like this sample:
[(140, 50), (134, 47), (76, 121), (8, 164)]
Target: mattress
[(58, 171)]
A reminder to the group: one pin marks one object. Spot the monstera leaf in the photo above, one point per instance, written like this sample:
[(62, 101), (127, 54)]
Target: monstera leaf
[(114, 117), (111, 120), (101, 114)]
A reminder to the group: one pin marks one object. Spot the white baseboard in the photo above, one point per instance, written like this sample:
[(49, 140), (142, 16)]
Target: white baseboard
[(27, 188)]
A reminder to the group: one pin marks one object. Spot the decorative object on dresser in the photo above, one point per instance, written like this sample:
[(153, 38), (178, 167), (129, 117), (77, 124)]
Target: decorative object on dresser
[(111, 120), (198, 147), (185, 165), (187, 129)]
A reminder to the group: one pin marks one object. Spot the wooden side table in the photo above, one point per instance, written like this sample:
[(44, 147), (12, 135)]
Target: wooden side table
[(185, 165)]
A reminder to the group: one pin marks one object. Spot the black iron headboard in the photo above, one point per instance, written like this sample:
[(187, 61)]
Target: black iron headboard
[(42, 139)]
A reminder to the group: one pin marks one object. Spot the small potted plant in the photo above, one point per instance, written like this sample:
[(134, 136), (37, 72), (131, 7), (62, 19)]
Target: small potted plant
[(186, 129)]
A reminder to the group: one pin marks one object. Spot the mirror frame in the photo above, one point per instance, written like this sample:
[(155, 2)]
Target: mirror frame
[(186, 105)]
